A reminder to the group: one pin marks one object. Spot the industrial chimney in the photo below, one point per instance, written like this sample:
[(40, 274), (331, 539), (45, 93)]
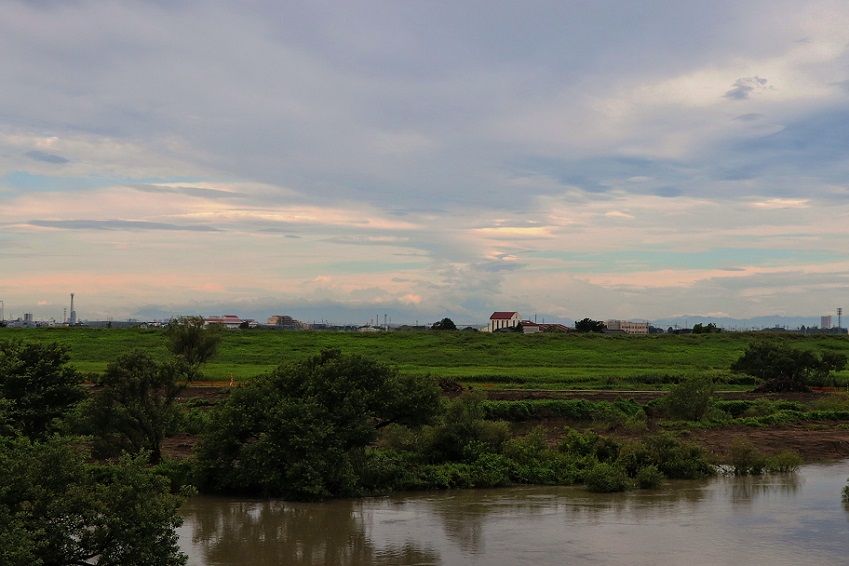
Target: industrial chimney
[(73, 319)]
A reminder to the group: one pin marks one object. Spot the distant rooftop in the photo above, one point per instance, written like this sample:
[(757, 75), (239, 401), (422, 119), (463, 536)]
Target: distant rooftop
[(502, 315)]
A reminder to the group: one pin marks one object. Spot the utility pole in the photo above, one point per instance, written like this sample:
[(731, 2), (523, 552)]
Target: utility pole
[(839, 316)]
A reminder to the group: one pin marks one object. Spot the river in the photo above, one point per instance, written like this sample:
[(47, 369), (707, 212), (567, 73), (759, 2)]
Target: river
[(778, 519)]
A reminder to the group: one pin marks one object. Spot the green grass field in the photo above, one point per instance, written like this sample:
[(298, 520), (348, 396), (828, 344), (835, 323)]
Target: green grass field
[(546, 361)]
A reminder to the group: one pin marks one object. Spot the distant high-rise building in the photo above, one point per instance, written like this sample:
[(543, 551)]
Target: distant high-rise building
[(28, 318), (825, 322)]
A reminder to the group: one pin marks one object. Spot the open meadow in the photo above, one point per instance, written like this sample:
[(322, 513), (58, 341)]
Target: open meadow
[(543, 361)]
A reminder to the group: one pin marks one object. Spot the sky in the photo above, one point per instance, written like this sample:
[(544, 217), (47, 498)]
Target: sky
[(339, 160)]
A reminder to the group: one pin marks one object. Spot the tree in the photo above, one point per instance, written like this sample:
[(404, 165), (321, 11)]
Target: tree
[(590, 325), (709, 328), (787, 369), (134, 405), (301, 431), (690, 399), (38, 385), (58, 509), (444, 324), (192, 342)]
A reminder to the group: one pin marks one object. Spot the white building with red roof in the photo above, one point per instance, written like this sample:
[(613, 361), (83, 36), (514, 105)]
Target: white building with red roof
[(503, 319)]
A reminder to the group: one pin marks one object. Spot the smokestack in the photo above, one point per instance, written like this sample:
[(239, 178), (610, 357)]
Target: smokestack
[(73, 319)]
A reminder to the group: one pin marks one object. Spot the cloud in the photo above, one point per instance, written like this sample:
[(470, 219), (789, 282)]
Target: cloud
[(619, 214), (189, 191), (744, 86), (774, 203), (750, 117), (131, 225), (45, 157), (668, 192), (491, 169)]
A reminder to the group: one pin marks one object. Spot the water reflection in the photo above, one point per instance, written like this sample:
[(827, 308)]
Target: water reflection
[(781, 519), (745, 490), (276, 532)]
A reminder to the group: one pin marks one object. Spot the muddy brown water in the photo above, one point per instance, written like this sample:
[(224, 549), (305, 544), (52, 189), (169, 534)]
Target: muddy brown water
[(777, 520)]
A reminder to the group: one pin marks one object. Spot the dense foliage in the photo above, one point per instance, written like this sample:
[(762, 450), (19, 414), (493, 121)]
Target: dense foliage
[(709, 328), (58, 509), (689, 400), (133, 406), (301, 431), (36, 386), (589, 325), (444, 324), (785, 368)]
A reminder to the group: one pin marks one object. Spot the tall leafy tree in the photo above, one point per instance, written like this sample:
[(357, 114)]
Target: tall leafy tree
[(193, 342), (444, 324), (37, 384), (134, 404), (784, 368), (58, 509), (301, 430), (590, 325)]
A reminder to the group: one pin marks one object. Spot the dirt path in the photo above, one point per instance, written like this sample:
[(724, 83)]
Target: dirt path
[(813, 444)]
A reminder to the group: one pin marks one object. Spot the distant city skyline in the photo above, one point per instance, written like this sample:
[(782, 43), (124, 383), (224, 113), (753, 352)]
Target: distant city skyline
[(618, 159)]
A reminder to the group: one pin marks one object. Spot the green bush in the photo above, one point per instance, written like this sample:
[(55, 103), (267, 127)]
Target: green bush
[(180, 473), (606, 478), (387, 470), (689, 400), (399, 438), (676, 459), (579, 443), (533, 462), (193, 420), (785, 461), (846, 492), (462, 424), (746, 459), (649, 477), (573, 409)]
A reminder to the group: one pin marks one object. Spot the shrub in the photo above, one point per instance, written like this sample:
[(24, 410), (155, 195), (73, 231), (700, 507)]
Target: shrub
[(399, 438), (634, 456), (833, 402), (193, 420), (578, 443), (532, 461), (785, 461), (689, 400), (461, 424), (649, 477), (180, 473), (846, 492), (606, 478), (746, 459), (676, 459)]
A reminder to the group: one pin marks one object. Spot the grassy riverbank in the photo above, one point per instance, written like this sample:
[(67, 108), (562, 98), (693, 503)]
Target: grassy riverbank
[(490, 361)]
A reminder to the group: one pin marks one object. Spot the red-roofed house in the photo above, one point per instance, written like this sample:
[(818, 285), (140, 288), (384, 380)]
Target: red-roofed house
[(503, 319)]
